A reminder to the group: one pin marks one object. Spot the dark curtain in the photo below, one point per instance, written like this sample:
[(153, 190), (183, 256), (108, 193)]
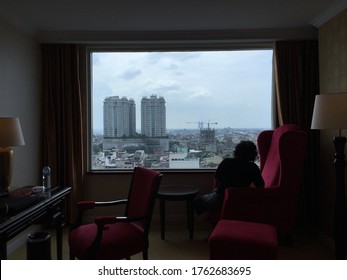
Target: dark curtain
[(296, 84), (62, 118)]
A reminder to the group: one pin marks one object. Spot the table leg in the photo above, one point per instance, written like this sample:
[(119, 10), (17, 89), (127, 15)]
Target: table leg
[(59, 243), (190, 217), (162, 218), (59, 221), (3, 249)]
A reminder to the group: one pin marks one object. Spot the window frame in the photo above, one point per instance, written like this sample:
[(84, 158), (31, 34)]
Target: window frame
[(155, 45)]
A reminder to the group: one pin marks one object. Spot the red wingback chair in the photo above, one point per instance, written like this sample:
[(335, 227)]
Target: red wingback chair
[(111, 237), (282, 153)]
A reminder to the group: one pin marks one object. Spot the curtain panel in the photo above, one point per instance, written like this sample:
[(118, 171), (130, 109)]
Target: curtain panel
[(296, 77), (62, 118)]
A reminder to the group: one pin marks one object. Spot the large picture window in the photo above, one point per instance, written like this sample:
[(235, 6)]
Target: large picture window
[(176, 109)]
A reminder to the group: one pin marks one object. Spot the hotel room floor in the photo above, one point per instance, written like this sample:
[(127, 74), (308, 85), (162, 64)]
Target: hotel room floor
[(307, 245)]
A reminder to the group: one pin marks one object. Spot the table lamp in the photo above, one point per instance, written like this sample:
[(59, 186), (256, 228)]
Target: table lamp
[(330, 112), (10, 135)]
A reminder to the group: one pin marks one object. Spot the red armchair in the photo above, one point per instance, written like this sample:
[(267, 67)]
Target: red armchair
[(282, 154), (113, 237)]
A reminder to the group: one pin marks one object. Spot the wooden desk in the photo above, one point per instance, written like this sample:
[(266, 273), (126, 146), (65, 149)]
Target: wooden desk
[(46, 206), (177, 192)]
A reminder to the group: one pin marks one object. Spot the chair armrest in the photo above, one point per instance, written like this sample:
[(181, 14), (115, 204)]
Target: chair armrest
[(90, 204), (85, 205), (111, 202), (104, 220)]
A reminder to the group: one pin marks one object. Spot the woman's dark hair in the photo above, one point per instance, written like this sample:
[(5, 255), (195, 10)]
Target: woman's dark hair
[(246, 150)]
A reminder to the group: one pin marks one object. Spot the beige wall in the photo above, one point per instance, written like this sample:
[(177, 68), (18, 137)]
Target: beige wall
[(333, 54), (333, 79), (20, 96)]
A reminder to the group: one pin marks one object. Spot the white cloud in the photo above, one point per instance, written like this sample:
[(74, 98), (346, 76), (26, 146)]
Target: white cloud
[(130, 74), (199, 94)]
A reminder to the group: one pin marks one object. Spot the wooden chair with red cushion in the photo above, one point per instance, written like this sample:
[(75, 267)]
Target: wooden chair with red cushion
[(111, 237)]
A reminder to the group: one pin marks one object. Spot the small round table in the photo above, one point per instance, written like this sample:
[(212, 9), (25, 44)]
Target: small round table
[(177, 192)]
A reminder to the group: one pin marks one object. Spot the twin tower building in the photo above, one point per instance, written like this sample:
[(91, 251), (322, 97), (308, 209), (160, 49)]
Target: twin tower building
[(120, 117)]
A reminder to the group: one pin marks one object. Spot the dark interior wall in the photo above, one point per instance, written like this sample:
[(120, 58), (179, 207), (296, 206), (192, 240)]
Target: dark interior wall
[(333, 79)]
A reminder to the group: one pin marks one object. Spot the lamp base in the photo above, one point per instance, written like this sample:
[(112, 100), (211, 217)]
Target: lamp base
[(6, 156)]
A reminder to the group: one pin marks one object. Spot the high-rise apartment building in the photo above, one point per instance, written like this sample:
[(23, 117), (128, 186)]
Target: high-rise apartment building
[(153, 116), (119, 117)]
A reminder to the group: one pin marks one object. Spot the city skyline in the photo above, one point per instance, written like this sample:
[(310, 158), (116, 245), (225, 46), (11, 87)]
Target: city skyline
[(232, 89)]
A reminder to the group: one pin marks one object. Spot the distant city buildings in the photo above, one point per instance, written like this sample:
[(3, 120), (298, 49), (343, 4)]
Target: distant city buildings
[(208, 140), (181, 160), (120, 131), (119, 117), (181, 148), (153, 116)]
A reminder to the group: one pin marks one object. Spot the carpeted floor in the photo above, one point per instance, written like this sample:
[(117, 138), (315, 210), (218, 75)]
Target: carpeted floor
[(307, 245)]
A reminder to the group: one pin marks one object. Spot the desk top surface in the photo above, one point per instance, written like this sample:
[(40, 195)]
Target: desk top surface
[(177, 190), (21, 199)]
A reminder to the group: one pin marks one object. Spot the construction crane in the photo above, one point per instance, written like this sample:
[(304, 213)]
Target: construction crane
[(201, 124)]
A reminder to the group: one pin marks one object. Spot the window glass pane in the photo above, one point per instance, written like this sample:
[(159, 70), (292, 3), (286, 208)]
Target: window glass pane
[(184, 109)]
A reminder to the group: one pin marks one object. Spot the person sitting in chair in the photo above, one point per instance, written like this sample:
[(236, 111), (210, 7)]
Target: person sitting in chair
[(238, 172)]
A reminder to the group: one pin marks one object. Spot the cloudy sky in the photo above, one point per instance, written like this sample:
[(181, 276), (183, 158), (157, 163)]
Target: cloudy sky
[(230, 88)]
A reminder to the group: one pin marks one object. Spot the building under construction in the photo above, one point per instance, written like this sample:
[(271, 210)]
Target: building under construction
[(208, 139)]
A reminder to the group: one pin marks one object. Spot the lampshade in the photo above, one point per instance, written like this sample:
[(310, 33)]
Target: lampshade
[(330, 111), (10, 132)]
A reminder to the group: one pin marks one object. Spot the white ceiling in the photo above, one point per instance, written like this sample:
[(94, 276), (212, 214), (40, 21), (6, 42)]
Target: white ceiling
[(66, 16)]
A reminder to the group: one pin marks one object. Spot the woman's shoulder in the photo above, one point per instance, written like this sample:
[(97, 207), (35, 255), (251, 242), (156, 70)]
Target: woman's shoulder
[(245, 163), (234, 163), (253, 165), (226, 164), (229, 160)]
